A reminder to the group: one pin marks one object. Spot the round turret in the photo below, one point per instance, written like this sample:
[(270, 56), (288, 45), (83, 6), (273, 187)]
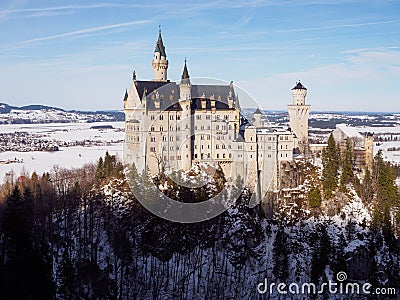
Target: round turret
[(299, 93), (160, 62)]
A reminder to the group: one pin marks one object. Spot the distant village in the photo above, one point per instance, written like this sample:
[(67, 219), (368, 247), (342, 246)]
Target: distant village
[(29, 142)]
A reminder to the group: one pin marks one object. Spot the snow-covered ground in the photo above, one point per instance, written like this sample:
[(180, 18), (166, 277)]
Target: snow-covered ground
[(110, 140), (376, 129), (69, 157), (392, 156)]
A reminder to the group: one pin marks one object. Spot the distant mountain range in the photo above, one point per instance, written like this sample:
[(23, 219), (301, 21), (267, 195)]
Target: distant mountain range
[(47, 114), (30, 114)]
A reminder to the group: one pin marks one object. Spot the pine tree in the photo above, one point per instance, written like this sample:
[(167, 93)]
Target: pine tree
[(67, 277), (330, 161), (280, 254), (314, 197), (322, 251), (100, 170), (347, 175), (367, 191), (108, 165), (387, 195), (27, 267)]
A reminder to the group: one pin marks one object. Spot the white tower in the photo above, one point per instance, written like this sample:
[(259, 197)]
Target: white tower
[(298, 115), (160, 62), (185, 91), (257, 118)]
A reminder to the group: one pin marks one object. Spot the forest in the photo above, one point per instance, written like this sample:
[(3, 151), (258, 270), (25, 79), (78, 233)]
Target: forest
[(81, 234)]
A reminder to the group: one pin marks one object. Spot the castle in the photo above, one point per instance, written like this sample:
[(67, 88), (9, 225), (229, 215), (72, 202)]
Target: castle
[(174, 125)]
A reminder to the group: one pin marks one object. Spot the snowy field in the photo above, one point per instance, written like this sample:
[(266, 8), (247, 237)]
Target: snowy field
[(110, 140), (373, 129), (392, 156)]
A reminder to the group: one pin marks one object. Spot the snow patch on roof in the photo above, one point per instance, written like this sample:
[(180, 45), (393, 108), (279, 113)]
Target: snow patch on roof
[(348, 131)]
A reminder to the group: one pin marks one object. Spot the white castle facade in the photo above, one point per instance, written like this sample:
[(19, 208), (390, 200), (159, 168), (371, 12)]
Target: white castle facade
[(174, 125)]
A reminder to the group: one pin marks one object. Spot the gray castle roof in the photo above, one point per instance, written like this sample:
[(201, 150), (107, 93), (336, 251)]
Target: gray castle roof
[(219, 93), (168, 95)]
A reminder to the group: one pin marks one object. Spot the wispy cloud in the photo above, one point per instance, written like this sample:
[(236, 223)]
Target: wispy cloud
[(54, 8), (86, 31), (340, 26), (43, 14)]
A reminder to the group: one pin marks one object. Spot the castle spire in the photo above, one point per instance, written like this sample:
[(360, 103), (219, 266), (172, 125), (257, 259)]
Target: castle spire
[(185, 74), (160, 45), (185, 86)]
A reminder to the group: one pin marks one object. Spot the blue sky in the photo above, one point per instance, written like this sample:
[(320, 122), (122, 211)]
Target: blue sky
[(80, 54)]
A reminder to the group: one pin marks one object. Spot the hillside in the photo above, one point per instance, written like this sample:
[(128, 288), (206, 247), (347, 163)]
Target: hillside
[(91, 236), (38, 114)]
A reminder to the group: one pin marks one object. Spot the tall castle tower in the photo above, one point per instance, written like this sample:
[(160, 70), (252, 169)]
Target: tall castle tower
[(160, 62), (185, 88), (298, 115)]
